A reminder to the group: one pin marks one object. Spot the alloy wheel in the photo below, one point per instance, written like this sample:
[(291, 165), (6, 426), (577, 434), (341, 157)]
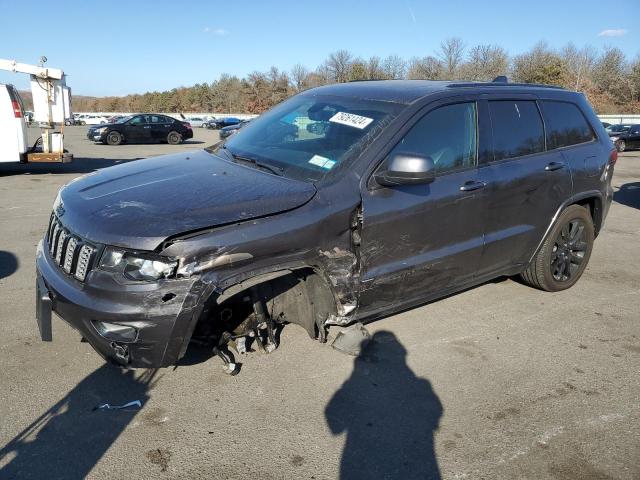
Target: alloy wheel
[(569, 250)]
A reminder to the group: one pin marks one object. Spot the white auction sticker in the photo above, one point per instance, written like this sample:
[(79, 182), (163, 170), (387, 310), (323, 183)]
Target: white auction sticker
[(352, 120)]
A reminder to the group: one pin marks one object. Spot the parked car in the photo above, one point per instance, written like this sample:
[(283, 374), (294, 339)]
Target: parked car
[(115, 118), (144, 128), (198, 122), (218, 123), (89, 119), (226, 132), (389, 195), (625, 136)]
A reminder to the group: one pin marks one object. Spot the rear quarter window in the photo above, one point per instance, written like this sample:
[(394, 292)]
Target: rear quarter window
[(517, 128), (566, 125)]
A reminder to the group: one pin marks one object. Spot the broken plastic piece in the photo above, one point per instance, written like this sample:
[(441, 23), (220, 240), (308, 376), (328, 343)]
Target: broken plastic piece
[(106, 406), (352, 339), (231, 368)]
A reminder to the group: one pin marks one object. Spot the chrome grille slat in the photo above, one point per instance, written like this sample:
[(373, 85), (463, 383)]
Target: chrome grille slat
[(54, 239), (72, 244), (83, 262), (62, 236), (70, 252)]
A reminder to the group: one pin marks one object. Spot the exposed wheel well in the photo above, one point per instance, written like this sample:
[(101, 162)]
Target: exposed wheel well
[(594, 205), (300, 296)]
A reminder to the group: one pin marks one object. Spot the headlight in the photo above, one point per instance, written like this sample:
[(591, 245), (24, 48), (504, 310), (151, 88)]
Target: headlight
[(137, 266), (101, 130)]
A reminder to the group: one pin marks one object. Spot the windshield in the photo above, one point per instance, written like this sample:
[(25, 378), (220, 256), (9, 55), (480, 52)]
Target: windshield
[(308, 136), (618, 128), (125, 119)]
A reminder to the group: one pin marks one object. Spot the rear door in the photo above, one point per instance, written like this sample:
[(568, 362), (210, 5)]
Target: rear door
[(569, 132), (418, 240), (160, 127), (526, 182)]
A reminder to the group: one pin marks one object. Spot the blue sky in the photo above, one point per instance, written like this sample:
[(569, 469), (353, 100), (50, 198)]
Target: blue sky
[(116, 47)]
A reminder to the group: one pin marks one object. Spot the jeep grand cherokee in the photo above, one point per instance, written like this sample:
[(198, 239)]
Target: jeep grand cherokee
[(346, 202)]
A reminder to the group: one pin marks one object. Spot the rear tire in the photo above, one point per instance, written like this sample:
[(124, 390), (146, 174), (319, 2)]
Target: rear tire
[(621, 145), (565, 252), (174, 138), (114, 138), (83, 123)]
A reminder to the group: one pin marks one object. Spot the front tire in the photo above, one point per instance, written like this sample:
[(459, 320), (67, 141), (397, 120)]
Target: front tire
[(83, 123), (114, 138), (174, 138), (621, 145), (565, 252)]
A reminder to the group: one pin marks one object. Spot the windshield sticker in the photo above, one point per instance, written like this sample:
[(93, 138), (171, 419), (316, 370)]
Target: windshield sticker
[(351, 120), (322, 162)]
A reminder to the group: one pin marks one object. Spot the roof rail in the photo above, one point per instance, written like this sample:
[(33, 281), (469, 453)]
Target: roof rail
[(502, 84)]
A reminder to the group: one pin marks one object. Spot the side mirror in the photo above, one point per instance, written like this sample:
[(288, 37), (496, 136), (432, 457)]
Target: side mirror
[(406, 169)]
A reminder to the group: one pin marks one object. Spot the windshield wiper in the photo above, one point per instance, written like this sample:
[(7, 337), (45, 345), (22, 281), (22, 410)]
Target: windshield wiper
[(275, 170)]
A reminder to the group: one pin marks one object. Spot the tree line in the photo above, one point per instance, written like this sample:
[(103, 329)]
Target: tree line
[(610, 81)]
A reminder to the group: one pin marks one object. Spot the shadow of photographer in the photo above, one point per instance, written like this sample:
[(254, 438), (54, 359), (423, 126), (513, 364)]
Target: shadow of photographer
[(389, 415)]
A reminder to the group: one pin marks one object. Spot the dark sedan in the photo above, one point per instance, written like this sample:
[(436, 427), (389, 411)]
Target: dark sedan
[(146, 128), (218, 123), (226, 132), (625, 136)]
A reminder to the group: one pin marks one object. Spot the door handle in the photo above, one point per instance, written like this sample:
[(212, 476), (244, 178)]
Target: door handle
[(554, 166), (148, 126), (472, 185)]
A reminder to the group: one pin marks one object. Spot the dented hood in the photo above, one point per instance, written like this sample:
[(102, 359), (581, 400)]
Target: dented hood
[(139, 204)]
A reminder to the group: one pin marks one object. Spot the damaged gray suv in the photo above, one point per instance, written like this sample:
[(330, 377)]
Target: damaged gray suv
[(344, 203)]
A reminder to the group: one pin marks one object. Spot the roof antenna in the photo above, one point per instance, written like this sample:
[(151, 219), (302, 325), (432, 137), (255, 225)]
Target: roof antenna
[(501, 79)]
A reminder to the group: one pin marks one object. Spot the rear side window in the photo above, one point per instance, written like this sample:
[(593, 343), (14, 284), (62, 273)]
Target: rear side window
[(447, 135), (517, 128), (565, 125)]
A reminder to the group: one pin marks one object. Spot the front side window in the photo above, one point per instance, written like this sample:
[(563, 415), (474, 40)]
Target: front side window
[(517, 128), (137, 120), (566, 125), (447, 134), (309, 135)]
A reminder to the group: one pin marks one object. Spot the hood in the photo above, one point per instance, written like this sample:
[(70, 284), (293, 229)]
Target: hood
[(139, 204)]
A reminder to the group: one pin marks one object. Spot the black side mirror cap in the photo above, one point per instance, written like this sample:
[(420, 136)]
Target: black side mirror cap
[(406, 169)]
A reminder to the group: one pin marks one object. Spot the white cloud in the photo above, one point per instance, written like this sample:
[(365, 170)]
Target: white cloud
[(614, 32), (221, 32)]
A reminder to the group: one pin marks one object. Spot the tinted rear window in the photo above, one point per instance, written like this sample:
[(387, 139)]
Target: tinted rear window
[(517, 128), (565, 125)]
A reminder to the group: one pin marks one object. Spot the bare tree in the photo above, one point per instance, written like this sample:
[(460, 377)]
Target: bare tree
[(451, 54), (427, 68), (374, 68), (579, 65), (299, 74), (394, 67), (485, 62), (338, 65)]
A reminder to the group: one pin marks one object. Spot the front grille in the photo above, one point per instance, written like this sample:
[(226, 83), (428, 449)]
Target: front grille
[(71, 253)]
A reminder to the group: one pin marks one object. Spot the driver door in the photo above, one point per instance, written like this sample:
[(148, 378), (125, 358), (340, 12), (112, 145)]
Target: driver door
[(136, 133), (418, 240)]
